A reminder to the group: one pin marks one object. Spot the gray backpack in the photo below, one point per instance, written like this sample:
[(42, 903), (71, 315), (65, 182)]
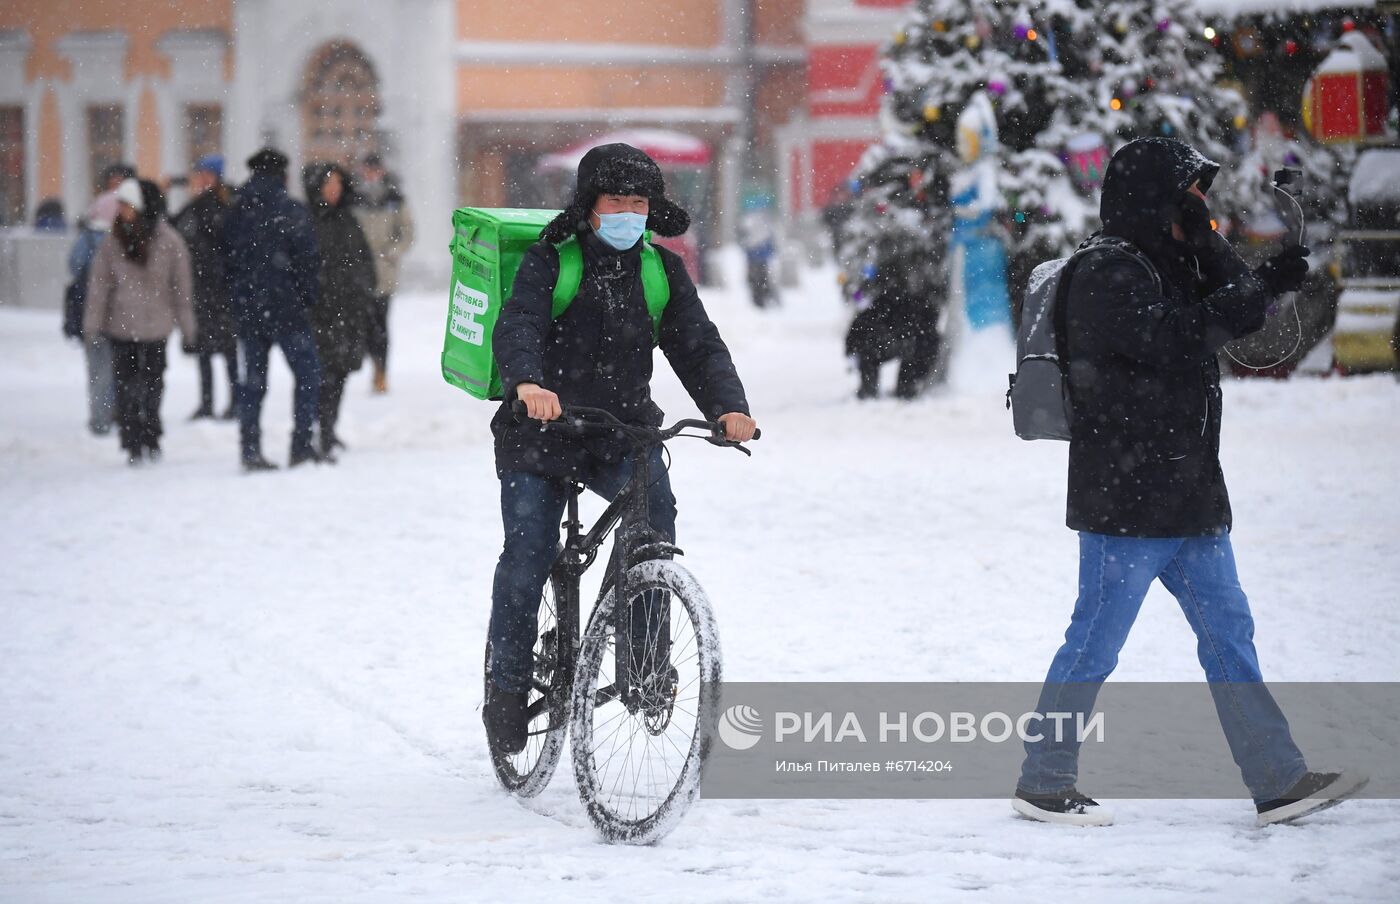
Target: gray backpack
[(1039, 396)]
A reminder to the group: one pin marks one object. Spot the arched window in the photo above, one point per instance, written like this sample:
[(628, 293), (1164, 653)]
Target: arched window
[(340, 106)]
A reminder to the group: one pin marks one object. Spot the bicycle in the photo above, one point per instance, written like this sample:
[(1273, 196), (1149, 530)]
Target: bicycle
[(646, 669)]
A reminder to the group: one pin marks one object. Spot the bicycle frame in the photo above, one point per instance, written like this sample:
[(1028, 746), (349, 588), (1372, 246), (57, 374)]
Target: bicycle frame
[(628, 519)]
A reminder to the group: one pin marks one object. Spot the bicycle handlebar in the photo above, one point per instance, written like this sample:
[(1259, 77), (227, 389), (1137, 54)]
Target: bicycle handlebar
[(579, 417)]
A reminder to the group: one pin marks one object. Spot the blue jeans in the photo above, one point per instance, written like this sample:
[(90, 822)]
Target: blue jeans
[(532, 507), (1114, 576), (102, 384), (299, 348)]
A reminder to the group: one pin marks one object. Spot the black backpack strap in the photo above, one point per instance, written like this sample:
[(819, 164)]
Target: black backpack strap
[(1061, 314)]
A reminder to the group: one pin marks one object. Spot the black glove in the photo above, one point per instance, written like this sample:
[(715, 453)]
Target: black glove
[(1285, 271), (1195, 224)]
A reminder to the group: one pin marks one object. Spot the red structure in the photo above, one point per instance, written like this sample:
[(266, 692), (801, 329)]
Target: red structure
[(1346, 98), (820, 148)]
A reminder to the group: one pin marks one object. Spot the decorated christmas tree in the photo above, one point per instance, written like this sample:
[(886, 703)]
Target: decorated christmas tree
[(1069, 81)]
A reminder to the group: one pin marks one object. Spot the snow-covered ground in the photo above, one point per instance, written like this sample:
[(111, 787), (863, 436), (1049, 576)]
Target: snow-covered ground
[(218, 687)]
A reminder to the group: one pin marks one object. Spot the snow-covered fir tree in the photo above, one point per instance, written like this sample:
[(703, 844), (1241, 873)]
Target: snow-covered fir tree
[(1070, 81)]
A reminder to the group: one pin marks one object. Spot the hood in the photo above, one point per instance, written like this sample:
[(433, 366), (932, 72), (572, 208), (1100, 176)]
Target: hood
[(1143, 187), (314, 175), (618, 169)]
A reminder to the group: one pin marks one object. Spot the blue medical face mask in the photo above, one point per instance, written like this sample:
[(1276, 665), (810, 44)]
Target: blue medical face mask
[(621, 230)]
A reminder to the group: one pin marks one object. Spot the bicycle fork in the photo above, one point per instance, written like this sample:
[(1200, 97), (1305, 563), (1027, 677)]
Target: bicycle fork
[(642, 673)]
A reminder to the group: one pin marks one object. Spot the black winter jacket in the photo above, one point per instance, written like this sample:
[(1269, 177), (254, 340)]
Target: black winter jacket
[(1144, 456), (272, 266), (340, 318), (599, 354), (201, 225)]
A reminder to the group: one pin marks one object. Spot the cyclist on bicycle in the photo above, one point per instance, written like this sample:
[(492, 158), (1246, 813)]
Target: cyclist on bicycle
[(597, 354)]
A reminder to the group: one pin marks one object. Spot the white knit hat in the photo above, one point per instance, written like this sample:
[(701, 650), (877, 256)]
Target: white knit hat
[(129, 192)]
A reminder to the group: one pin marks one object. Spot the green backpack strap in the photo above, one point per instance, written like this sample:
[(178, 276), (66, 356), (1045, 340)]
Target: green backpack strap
[(570, 275), (655, 286)]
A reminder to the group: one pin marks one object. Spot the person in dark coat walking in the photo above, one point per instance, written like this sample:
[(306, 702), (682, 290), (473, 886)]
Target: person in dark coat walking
[(898, 323), (597, 354), (341, 316), (201, 224), (273, 273), (1146, 490)]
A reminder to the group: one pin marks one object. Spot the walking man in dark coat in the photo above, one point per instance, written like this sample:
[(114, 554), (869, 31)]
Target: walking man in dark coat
[(1146, 491), (597, 354), (273, 275), (341, 317), (201, 224)]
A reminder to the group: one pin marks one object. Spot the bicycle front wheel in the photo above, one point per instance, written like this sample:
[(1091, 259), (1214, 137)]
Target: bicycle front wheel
[(645, 700)]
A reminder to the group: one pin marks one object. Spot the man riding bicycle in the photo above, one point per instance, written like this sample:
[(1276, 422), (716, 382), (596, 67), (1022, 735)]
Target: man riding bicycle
[(598, 354)]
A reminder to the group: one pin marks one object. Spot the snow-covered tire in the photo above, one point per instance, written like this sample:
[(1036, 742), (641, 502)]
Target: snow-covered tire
[(655, 822), (527, 773)]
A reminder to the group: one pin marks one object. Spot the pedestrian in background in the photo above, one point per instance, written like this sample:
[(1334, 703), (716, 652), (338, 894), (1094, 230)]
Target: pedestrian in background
[(347, 291), (272, 271), (97, 350), (139, 288), (201, 224), (388, 227), (899, 322)]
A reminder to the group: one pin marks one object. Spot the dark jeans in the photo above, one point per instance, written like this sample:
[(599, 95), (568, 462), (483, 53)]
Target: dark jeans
[(1114, 576), (377, 336), (139, 370), (332, 391), (229, 353), (299, 349), (531, 508)]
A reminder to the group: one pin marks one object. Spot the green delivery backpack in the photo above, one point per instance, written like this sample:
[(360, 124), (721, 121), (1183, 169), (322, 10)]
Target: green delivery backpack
[(487, 246)]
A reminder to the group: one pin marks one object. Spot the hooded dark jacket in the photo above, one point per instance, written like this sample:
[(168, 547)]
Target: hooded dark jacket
[(201, 225), (599, 354), (1144, 456), (272, 265), (347, 279)]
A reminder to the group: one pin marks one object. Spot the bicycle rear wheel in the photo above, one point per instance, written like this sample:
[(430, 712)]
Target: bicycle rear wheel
[(642, 732), (526, 773)]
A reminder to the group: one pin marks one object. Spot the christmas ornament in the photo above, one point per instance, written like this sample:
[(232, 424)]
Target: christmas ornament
[(1086, 157)]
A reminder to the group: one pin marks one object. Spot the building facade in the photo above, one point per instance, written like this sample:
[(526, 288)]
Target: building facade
[(461, 97)]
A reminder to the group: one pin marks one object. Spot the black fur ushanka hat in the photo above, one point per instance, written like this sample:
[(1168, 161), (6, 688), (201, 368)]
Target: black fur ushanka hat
[(618, 169)]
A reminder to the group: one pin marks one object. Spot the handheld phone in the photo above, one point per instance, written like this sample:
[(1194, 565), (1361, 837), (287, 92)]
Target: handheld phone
[(1289, 209)]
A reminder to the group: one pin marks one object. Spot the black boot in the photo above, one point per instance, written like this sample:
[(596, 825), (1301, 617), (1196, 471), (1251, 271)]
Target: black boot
[(230, 413), (302, 456), (869, 380), (507, 720), (203, 411), (254, 461)]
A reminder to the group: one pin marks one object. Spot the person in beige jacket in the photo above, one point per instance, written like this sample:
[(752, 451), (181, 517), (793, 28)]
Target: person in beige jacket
[(384, 217), (139, 289)]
